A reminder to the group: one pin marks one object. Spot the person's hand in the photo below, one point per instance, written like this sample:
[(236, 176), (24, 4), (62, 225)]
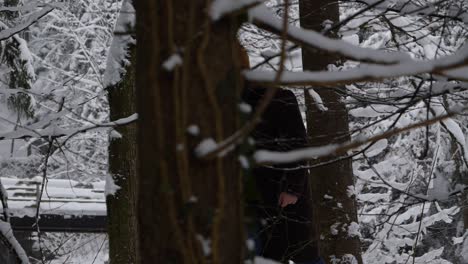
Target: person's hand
[(286, 199)]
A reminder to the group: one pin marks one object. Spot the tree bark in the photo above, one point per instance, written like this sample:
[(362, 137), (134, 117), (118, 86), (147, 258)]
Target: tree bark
[(332, 216), (121, 221), (188, 209)]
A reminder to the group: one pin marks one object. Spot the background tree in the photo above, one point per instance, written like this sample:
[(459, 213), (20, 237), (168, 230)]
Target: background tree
[(120, 82), (335, 211)]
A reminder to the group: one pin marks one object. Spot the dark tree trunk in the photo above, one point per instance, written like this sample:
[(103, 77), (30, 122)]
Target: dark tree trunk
[(184, 202), (121, 225), (326, 127)]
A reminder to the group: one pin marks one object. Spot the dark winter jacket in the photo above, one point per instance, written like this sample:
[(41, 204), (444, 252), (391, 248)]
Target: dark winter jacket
[(285, 233), (280, 129)]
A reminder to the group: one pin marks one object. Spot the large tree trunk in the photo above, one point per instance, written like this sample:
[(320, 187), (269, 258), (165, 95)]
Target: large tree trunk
[(326, 127), (189, 210), (121, 225)]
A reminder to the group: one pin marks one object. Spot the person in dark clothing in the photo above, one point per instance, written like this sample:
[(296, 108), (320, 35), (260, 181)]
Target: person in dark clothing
[(282, 207)]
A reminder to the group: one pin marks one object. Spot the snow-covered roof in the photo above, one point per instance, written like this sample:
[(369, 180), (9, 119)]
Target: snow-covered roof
[(60, 196)]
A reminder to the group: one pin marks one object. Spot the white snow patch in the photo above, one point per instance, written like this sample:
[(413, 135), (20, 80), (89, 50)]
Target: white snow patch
[(244, 162), (266, 156), (334, 229), (206, 146), (457, 240), (193, 199), (25, 55), (440, 189), (193, 130), (114, 134), (205, 243), (353, 230), (111, 188), (351, 39), (327, 24), (245, 108), (173, 61), (250, 243), (318, 100), (122, 121), (373, 111), (351, 191)]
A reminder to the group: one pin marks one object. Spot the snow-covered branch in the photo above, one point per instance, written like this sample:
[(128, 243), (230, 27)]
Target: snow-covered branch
[(310, 153), (54, 131), (264, 18), (8, 32), (443, 66), (24, 8), (8, 238)]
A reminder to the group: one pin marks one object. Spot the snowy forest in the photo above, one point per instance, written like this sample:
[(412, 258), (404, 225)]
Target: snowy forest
[(126, 135)]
